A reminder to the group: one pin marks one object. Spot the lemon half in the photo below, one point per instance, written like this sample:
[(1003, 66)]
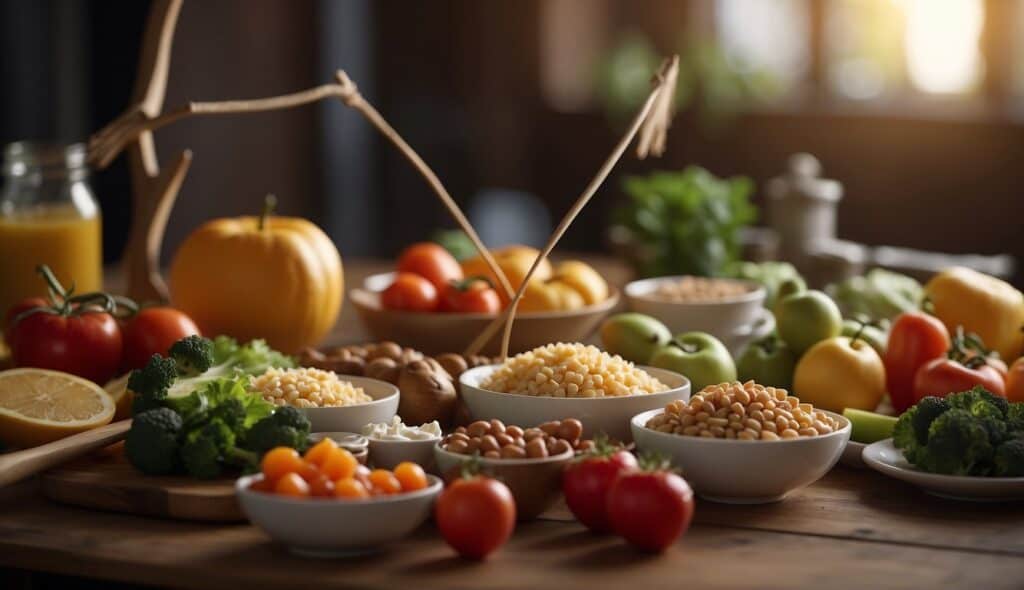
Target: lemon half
[(38, 406)]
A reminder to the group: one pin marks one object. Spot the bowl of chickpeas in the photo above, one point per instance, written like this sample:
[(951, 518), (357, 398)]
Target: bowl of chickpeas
[(528, 460), (333, 403), (557, 380), (728, 309), (744, 443)]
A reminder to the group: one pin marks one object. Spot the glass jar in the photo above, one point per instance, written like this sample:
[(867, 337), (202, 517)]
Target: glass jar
[(48, 215)]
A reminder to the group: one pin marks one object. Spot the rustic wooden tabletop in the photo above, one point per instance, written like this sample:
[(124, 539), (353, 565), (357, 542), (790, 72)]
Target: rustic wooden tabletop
[(853, 529)]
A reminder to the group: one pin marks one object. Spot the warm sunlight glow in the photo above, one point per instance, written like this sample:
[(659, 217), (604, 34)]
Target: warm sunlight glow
[(942, 44)]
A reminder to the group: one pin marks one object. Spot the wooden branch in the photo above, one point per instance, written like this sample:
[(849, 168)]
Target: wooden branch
[(105, 145), (653, 117)]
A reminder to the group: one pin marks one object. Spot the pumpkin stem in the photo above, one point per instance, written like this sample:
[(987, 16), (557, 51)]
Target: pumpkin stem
[(269, 204)]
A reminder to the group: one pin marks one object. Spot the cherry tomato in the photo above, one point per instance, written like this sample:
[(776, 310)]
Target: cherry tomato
[(410, 292), (320, 486), (84, 343), (280, 461), (586, 483), (473, 295), (350, 487), (915, 338), (291, 484), (476, 516), (943, 376), (431, 262), (339, 463), (319, 452), (384, 482), (650, 509), (411, 476), (152, 331)]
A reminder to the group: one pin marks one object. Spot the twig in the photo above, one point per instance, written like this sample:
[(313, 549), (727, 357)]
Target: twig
[(653, 117)]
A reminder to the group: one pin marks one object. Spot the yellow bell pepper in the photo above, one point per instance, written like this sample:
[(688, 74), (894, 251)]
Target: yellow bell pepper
[(982, 304)]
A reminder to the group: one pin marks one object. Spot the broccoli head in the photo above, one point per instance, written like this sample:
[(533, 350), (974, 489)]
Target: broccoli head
[(958, 444), (152, 442), (286, 427), (911, 432), (149, 384), (1009, 458), (193, 355), (1015, 418), (980, 402), (204, 448)]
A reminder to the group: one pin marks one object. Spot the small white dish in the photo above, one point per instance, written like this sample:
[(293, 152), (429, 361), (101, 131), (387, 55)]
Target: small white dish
[(852, 454), (352, 418), (884, 457), (333, 527), (386, 454), (722, 319), (598, 414), (745, 472)]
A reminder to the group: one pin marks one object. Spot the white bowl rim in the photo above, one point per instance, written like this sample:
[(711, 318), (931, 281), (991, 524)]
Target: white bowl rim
[(358, 293), (884, 466), (641, 419), (243, 483), (486, 461), (641, 289), (392, 389), (432, 439), (550, 399)]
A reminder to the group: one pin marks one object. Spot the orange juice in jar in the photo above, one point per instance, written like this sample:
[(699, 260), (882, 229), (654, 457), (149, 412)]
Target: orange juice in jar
[(48, 215)]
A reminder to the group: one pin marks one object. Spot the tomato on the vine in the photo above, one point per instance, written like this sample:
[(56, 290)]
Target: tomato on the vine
[(432, 262), (410, 292), (152, 331), (967, 364), (476, 515), (472, 295), (650, 507), (587, 480)]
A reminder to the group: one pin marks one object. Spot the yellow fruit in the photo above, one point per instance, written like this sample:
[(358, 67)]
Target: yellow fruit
[(118, 391), (38, 406), (583, 278), (551, 295), (838, 373), (991, 308), (514, 261)]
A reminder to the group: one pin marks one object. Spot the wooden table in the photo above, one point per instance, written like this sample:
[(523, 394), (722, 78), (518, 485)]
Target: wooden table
[(853, 529)]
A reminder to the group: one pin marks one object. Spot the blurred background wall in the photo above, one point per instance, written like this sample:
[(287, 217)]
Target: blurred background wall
[(916, 106)]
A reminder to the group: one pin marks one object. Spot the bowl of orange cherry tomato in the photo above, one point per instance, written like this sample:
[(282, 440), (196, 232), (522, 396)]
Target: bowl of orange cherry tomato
[(324, 503), (436, 304)]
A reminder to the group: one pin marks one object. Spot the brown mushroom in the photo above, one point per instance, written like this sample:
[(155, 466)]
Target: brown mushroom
[(428, 393)]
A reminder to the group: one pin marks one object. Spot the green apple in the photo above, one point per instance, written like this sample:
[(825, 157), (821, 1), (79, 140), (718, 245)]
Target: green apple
[(701, 357), (791, 286), (871, 334), (768, 361), (806, 318), (634, 336)]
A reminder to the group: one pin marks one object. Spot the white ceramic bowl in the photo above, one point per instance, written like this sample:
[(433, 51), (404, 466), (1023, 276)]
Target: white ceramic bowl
[(536, 484), (386, 454), (330, 527), (598, 414), (745, 472), (722, 319), (352, 418)]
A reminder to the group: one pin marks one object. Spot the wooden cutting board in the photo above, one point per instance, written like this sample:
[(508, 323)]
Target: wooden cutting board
[(106, 481)]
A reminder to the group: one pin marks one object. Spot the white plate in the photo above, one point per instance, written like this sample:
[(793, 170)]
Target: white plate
[(882, 456), (852, 455)]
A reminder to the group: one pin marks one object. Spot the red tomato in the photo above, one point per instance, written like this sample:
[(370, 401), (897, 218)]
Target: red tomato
[(586, 483), (476, 516), (410, 292), (942, 376), (152, 331), (1015, 381), (431, 262), (915, 339), (16, 310), (473, 295), (650, 509), (88, 344)]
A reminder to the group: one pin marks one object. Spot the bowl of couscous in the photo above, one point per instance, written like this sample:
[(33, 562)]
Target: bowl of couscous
[(561, 380), (333, 403)]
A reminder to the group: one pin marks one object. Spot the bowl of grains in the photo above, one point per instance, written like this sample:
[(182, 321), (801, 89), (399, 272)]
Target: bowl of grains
[(332, 403), (720, 307), (562, 380), (744, 443)]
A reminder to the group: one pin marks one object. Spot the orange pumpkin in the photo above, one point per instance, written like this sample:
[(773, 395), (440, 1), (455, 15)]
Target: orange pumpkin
[(276, 278)]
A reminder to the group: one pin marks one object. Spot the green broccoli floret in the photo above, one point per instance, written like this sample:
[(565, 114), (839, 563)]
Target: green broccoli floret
[(287, 427), (150, 384), (911, 432), (958, 444), (1015, 418), (193, 354), (152, 442), (204, 449), (980, 402), (1009, 458), (231, 359)]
